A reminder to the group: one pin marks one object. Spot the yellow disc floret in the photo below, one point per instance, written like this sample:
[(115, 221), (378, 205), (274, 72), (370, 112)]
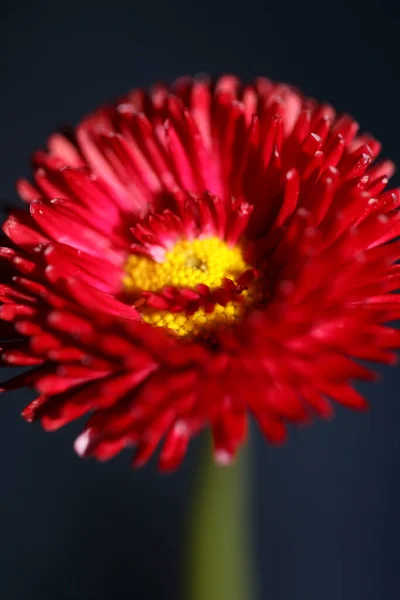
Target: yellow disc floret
[(189, 263), (183, 324)]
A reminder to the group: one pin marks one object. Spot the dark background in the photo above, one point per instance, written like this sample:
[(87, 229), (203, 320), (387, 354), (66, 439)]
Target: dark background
[(326, 505)]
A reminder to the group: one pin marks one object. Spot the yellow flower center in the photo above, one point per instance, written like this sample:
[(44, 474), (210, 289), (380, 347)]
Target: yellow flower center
[(189, 263)]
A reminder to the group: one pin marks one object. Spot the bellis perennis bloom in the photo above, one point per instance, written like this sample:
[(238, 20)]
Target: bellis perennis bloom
[(194, 255)]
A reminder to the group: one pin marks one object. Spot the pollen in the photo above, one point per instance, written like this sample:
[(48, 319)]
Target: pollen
[(186, 265), (189, 263), (198, 323)]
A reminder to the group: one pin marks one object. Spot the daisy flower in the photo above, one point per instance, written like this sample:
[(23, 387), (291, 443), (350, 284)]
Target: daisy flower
[(194, 255)]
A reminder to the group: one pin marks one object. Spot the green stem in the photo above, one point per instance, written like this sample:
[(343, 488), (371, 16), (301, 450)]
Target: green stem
[(219, 558)]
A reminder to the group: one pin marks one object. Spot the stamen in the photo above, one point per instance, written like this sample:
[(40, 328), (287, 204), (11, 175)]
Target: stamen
[(158, 288)]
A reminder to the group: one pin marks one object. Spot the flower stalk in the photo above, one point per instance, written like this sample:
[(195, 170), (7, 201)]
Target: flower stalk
[(218, 560)]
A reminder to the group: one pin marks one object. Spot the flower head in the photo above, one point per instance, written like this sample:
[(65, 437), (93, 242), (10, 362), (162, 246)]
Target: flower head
[(196, 254)]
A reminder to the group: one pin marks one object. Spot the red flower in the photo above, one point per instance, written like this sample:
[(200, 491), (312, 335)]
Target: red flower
[(196, 254)]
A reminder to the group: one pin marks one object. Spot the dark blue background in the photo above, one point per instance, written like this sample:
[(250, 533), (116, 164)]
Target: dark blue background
[(326, 505)]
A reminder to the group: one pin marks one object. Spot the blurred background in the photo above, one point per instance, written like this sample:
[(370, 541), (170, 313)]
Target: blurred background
[(326, 519)]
